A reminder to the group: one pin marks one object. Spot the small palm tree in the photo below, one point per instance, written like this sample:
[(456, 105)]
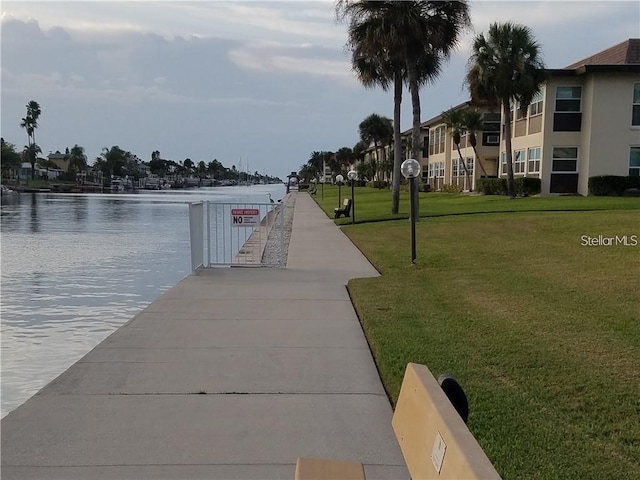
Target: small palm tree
[(315, 162), (112, 160), (453, 120), (344, 156), (77, 160), (377, 130), (472, 123), (505, 66), (30, 154)]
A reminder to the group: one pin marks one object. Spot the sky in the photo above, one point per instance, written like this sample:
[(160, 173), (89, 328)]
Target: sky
[(259, 85)]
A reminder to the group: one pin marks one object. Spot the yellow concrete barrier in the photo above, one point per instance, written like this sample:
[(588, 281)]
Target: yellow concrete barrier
[(323, 469), (435, 441)]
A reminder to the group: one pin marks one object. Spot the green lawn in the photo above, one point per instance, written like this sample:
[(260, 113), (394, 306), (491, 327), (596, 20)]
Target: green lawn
[(375, 205), (542, 332)]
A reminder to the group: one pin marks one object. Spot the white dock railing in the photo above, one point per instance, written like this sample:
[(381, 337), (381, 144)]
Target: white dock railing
[(236, 234)]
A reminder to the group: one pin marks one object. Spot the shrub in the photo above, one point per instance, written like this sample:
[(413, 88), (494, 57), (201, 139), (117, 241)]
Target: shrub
[(492, 186), (378, 184), (447, 188), (614, 185), (526, 186), (303, 186)]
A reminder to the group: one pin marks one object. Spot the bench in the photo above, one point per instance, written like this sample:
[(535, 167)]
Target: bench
[(346, 208), (434, 440)]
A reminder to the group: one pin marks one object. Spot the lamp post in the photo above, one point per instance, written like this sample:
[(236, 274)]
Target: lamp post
[(339, 180), (410, 170), (352, 176)]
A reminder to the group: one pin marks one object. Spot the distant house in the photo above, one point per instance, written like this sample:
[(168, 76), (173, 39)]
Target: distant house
[(60, 159), (40, 172)]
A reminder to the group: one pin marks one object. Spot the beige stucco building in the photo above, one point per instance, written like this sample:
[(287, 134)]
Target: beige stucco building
[(585, 122), (441, 163)]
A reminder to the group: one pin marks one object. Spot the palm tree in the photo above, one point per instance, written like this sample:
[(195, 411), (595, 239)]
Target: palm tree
[(315, 162), (344, 156), (453, 120), (30, 123), (77, 160), (505, 66), (111, 161), (374, 65), (25, 123), (420, 34), (33, 113), (472, 123), (30, 154), (188, 166), (378, 130)]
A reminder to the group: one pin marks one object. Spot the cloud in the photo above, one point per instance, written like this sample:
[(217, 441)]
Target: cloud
[(552, 21), (204, 19), (302, 59), (74, 87)]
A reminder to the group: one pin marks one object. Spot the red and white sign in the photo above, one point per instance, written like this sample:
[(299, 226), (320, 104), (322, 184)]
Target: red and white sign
[(245, 217)]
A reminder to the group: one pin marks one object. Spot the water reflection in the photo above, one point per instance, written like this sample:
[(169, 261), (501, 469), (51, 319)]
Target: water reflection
[(35, 223), (75, 267)]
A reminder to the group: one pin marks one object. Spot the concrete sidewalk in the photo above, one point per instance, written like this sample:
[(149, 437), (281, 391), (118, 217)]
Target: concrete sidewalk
[(231, 374)]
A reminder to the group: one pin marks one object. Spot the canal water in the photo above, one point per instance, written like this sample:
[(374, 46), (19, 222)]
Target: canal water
[(74, 267)]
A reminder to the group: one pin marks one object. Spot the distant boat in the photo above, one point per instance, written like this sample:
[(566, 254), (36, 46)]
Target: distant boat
[(120, 184), (4, 190)]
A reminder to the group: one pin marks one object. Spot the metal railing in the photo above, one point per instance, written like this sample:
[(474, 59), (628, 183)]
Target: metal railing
[(236, 234)]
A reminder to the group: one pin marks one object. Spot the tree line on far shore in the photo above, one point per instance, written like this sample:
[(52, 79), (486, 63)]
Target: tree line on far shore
[(112, 161)]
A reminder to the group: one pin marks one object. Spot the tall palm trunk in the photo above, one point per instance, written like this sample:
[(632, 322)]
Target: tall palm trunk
[(462, 162), (397, 143), (412, 73), (474, 142), (506, 112), (376, 167)]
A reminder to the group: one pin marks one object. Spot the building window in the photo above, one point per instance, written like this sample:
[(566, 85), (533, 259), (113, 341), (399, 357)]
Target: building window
[(425, 146), (454, 167), (565, 159), (442, 138), (441, 169), (533, 158), (635, 116), (503, 163), (490, 129), (568, 99), (518, 161), (537, 104), (634, 162)]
